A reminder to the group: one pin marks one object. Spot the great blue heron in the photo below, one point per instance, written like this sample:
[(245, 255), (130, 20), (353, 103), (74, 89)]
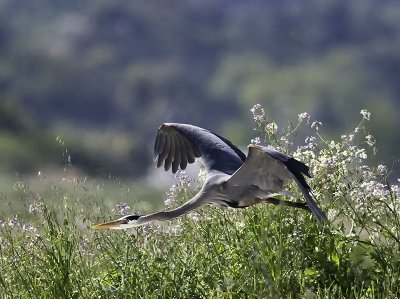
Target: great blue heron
[(233, 180)]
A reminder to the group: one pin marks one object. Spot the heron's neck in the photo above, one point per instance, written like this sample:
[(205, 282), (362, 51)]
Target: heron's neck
[(196, 202)]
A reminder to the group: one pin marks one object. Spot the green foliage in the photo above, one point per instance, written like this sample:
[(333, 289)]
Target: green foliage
[(263, 251), (126, 66), (25, 148), (13, 118)]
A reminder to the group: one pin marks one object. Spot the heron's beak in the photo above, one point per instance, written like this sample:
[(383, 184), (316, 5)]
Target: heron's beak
[(115, 224)]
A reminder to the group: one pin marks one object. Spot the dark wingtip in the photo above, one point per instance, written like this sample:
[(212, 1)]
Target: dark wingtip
[(300, 166)]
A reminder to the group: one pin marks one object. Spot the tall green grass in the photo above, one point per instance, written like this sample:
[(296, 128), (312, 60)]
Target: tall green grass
[(47, 249)]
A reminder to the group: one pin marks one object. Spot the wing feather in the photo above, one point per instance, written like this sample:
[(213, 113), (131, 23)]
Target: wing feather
[(196, 152), (177, 145), (171, 153), (158, 146), (270, 170), (164, 152), (172, 148), (189, 148), (184, 152), (178, 154), (262, 170)]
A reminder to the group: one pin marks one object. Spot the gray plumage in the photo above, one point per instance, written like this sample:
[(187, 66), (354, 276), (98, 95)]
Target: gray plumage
[(233, 180)]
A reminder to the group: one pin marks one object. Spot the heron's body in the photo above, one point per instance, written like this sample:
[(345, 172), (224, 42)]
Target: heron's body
[(233, 180)]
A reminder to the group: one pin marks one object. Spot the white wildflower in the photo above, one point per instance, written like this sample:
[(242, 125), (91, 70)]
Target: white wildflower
[(84, 247), (176, 189), (309, 139), (195, 216), (366, 114), (349, 137), (26, 228), (332, 214), (240, 225), (304, 117), (366, 173), (13, 222), (360, 153), (310, 143), (256, 140), (36, 207), (202, 175), (171, 195), (316, 125), (257, 110), (370, 140), (258, 114), (173, 230), (381, 169), (183, 179), (271, 128), (330, 162), (85, 243), (122, 208)]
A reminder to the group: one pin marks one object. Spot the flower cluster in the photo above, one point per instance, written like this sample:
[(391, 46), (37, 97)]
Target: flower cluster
[(349, 190), (370, 140), (122, 208), (316, 125), (263, 125), (310, 142), (177, 189), (366, 114), (84, 246), (13, 222), (271, 128), (258, 114), (304, 117), (36, 207), (256, 140)]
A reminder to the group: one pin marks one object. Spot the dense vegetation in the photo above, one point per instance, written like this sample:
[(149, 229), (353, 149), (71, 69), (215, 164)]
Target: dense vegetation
[(47, 249), (83, 88), (104, 74)]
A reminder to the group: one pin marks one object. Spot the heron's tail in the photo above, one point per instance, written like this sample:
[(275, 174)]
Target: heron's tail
[(313, 205), (307, 192), (297, 170)]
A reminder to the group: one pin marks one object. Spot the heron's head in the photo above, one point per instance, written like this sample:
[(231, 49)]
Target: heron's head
[(125, 222)]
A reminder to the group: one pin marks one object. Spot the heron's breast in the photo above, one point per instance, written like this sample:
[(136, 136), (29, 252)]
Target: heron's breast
[(239, 196), (248, 201)]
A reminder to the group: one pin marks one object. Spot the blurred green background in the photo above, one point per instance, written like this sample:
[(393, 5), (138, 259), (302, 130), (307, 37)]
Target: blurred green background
[(87, 83)]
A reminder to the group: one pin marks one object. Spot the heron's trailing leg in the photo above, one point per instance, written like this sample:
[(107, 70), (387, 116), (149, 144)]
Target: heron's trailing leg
[(279, 202)]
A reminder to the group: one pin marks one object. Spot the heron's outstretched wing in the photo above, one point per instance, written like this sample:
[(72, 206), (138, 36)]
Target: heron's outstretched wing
[(179, 144), (270, 170)]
